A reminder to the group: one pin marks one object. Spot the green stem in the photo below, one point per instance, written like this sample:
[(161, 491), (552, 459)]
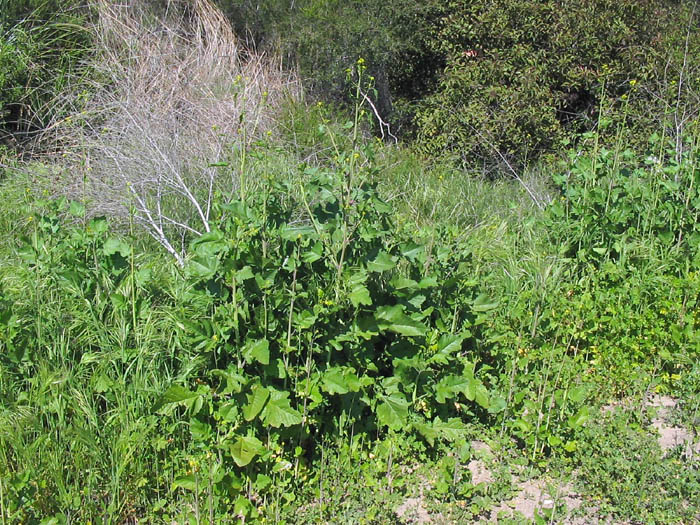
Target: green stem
[(133, 279)]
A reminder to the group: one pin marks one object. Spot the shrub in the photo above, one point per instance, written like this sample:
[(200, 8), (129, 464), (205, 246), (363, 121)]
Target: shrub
[(478, 80), (628, 224), (523, 75), (323, 38)]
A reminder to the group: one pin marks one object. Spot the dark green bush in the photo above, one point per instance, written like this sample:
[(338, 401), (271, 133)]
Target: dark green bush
[(483, 79), (521, 75), (325, 37)]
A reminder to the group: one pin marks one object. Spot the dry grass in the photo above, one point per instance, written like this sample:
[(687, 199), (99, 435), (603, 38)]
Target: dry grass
[(174, 92)]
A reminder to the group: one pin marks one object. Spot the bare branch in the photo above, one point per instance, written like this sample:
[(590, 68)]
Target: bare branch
[(382, 123), (170, 97)]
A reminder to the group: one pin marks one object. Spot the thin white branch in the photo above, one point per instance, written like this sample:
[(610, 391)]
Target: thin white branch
[(382, 123)]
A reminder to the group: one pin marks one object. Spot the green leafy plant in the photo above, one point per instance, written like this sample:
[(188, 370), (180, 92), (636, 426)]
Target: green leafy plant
[(323, 319)]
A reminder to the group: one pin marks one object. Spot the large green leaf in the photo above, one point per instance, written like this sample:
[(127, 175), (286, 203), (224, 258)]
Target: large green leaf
[(497, 404), (228, 411), (392, 411), (382, 263), (428, 282), (340, 380), (77, 209), (200, 430), (313, 254), (256, 401), (113, 245), (176, 394), (402, 283), (467, 384), (578, 393), (240, 210), (477, 392), (234, 380), (579, 418), (360, 295), (186, 482), (522, 425), (427, 431), (203, 266), (258, 350), (245, 449), (412, 250), (334, 382), (293, 233), (451, 430), (304, 319), (447, 345), (483, 303), (448, 387), (393, 319), (357, 278), (210, 244), (244, 274), (278, 412)]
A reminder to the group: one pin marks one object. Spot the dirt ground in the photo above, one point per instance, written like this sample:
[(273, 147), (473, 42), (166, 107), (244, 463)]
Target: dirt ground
[(537, 494)]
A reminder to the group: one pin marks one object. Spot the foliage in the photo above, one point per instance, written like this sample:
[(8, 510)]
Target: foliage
[(350, 319), (521, 74), (42, 44), (477, 80), (631, 228), (628, 477), (81, 343), (323, 37), (606, 295), (302, 313), (325, 322)]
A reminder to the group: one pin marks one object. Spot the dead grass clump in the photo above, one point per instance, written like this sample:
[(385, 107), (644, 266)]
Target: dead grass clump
[(174, 94)]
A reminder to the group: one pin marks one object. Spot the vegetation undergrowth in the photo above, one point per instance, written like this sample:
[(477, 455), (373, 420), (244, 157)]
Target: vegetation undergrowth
[(43, 45), (345, 326), (312, 330)]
